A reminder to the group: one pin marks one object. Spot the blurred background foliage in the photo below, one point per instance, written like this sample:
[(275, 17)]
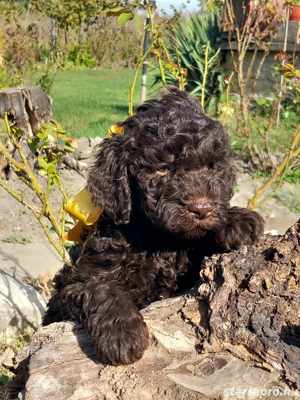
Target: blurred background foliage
[(85, 54)]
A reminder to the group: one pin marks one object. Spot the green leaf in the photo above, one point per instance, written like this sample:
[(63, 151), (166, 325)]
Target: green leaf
[(125, 17), (42, 163)]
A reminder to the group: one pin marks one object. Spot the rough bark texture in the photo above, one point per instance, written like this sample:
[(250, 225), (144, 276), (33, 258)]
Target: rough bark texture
[(246, 323), (60, 365), (28, 107), (254, 303)]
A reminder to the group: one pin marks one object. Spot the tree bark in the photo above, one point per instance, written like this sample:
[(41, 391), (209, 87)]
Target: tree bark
[(236, 335), (28, 107), (253, 297)]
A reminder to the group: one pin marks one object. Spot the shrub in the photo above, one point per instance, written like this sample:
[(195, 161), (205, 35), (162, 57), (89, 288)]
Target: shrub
[(8, 80), (190, 41), (46, 76), (81, 55), (19, 53), (113, 44)]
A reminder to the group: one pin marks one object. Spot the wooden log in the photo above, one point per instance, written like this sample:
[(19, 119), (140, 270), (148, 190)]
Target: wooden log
[(254, 303), (60, 364), (236, 335)]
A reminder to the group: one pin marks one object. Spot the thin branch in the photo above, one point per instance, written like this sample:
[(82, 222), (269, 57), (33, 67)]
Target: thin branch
[(30, 179), (60, 249), (38, 215), (291, 154), (18, 197), (203, 89)]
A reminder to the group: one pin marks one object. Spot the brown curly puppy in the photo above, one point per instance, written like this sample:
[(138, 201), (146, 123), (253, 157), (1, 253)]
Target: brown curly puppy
[(165, 187)]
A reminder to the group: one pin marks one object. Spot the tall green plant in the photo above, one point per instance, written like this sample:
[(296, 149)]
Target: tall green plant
[(191, 44)]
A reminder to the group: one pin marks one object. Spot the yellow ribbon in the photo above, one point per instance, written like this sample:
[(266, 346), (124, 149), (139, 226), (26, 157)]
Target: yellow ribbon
[(81, 207)]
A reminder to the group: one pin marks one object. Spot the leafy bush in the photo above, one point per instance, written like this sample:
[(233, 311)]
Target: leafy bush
[(263, 105), (114, 44), (20, 50), (7, 79), (293, 175), (46, 77), (82, 56), (29, 39), (189, 43)]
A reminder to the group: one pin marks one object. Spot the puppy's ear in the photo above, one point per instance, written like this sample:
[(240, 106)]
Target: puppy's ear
[(108, 180)]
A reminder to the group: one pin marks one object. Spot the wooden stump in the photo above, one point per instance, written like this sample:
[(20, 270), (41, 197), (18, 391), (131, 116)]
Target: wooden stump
[(28, 107)]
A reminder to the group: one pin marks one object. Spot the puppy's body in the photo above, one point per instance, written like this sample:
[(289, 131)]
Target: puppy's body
[(165, 187)]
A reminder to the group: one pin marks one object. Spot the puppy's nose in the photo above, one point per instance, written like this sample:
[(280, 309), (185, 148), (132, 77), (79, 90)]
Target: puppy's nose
[(202, 207)]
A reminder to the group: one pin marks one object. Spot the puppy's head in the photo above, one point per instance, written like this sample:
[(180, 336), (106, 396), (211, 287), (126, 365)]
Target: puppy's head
[(172, 164)]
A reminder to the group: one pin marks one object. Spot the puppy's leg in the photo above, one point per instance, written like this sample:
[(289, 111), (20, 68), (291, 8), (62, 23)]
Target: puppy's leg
[(243, 227), (57, 309), (114, 323), (54, 312)]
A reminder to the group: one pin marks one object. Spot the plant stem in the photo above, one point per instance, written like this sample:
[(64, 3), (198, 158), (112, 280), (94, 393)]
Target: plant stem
[(203, 89), (25, 173), (291, 154), (37, 214)]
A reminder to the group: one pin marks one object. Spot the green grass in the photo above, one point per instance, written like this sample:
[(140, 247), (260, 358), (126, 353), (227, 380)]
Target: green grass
[(87, 102)]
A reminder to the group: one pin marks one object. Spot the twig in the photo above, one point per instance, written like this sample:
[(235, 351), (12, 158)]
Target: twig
[(60, 249), (26, 175), (17, 197), (37, 214), (203, 89), (283, 63)]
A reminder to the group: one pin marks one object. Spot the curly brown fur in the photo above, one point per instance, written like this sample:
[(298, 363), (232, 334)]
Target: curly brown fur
[(165, 187)]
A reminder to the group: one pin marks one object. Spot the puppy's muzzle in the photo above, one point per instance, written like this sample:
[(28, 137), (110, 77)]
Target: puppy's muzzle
[(201, 207)]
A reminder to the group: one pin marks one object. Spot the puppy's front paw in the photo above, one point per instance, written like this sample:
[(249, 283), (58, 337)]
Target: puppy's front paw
[(119, 339), (243, 227)]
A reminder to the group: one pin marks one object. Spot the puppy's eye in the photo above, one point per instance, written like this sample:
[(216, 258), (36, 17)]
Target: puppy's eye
[(211, 165)]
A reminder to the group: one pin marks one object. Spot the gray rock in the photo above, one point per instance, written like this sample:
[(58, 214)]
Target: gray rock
[(216, 375), (169, 331), (21, 306)]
